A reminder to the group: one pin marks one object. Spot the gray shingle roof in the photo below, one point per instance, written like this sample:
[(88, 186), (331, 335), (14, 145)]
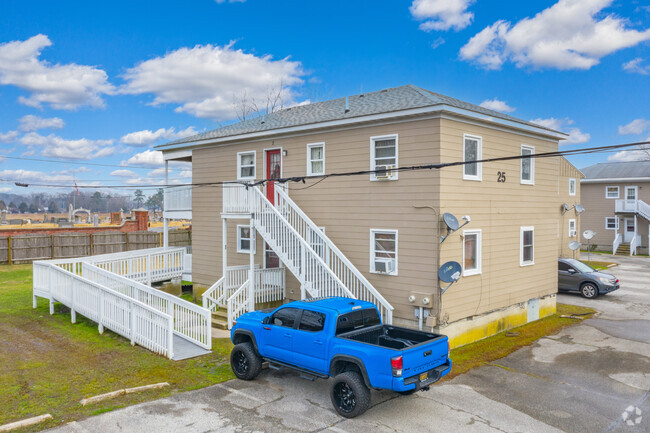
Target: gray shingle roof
[(383, 101), (617, 170)]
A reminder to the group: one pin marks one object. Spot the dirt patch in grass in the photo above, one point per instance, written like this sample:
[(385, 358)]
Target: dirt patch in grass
[(48, 364), (498, 346)]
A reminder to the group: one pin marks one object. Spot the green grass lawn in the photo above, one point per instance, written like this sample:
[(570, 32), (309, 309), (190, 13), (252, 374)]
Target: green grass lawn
[(48, 364), (599, 266)]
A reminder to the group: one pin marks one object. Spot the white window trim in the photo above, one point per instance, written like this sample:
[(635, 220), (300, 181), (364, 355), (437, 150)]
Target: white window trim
[(372, 250), (615, 223), (530, 181), (636, 192), (618, 192), (394, 174), (239, 166), (239, 238), (477, 271), (309, 160), (572, 233), (479, 155), (572, 180), (521, 245)]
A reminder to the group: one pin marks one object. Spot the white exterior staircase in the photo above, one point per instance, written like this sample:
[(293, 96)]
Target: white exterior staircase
[(306, 251)]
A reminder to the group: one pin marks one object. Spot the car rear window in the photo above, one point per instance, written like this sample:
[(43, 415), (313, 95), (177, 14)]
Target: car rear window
[(357, 320)]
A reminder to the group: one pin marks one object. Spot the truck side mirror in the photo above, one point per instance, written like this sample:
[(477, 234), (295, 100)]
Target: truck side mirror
[(266, 320)]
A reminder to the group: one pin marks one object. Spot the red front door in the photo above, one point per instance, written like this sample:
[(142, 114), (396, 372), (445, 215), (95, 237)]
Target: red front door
[(273, 171)]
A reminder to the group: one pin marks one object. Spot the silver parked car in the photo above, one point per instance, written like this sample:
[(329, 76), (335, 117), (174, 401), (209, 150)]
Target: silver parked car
[(575, 276)]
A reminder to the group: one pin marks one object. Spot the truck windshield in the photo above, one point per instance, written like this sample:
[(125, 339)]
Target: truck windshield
[(357, 320)]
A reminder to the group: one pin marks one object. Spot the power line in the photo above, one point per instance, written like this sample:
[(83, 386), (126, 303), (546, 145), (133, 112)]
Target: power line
[(57, 161), (321, 177)]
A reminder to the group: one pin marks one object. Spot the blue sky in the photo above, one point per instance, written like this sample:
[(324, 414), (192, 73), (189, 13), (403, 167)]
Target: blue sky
[(102, 82)]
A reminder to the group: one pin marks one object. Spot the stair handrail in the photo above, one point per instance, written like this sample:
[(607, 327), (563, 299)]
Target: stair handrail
[(617, 242), (633, 244), (237, 303), (211, 296), (257, 200), (363, 282), (644, 209)]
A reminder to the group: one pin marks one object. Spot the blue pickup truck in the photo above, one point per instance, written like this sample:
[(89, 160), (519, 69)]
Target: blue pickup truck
[(342, 338)]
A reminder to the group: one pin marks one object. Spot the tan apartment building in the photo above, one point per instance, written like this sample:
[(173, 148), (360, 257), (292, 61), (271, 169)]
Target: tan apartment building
[(616, 196), (377, 235)]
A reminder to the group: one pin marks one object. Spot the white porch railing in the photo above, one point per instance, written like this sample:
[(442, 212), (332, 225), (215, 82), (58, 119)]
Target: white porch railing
[(235, 199), (142, 324), (190, 320), (635, 206), (237, 303), (178, 198), (269, 286), (346, 272), (617, 242), (315, 277)]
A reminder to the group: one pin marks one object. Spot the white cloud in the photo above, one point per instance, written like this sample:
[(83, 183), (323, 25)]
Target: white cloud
[(57, 147), (5, 189), (159, 172), (442, 14), (497, 105), (185, 173), (636, 66), (571, 34), (576, 136), (34, 123), (63, 87), (124, 173), (635, 127), (8, 137), (29, 176), (205, 79), (146, 136), (439, 41), (148, 158), (638, 153)]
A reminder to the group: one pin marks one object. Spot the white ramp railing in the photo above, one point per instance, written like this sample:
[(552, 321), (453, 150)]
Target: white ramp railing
[(237, 303), (315, 277), (142, 324), (346, 272), (190, 320)]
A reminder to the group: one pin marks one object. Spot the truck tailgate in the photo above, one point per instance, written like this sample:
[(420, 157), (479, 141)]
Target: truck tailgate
[(424, 356)]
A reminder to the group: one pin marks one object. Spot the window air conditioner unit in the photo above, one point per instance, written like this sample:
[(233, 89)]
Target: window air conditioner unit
[(384, 171), (384, 266)]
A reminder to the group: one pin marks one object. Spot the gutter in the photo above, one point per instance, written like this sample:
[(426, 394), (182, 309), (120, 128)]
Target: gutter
[(616, 180)]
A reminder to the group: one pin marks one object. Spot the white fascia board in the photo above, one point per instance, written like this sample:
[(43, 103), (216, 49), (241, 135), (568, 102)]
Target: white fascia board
[(364, 119), (616, 180), (172, 154)]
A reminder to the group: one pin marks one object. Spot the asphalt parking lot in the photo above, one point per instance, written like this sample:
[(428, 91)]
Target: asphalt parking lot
[(593, 377)]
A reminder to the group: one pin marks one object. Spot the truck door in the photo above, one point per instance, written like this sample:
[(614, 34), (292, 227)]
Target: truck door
[(278, 335), (310, 342)]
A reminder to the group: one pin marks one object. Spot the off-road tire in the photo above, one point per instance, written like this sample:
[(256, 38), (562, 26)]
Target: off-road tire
[(349, 394), (245, 362), (589, 290)]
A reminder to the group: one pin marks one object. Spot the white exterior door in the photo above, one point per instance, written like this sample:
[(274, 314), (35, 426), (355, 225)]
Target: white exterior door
[(631, 196), (628, 233)]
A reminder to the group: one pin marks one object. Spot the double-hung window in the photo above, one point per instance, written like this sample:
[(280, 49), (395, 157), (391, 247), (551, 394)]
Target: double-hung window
[(315, 159), (572, 228), (527, 246), (383, 252), (245, 239), (246, 165), (383, 157), (611, 192), (611, 223), (471, 252), (527, 165), (472, 151), (572, 186)]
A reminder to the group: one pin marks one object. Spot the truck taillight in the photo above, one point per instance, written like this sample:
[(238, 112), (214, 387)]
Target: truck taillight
[(397, 364)]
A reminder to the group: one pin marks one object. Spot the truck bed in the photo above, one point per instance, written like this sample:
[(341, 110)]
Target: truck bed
[(390, 337)]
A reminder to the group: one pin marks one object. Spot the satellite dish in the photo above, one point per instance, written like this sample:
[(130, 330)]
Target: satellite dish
[(588, 234), (452, 224), (574, 245), (579, 208), (450, 221), (449, 273), (564, 208)]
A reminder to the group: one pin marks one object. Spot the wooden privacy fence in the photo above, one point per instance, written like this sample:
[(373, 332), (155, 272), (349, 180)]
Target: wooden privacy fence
[(29, 247)]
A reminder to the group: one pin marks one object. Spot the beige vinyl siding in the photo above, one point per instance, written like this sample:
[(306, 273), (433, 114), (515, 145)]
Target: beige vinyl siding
[(568, 171), (499, 209), (348, 207)]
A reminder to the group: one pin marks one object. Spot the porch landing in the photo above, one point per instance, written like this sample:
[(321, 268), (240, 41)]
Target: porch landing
[(184, 349)]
